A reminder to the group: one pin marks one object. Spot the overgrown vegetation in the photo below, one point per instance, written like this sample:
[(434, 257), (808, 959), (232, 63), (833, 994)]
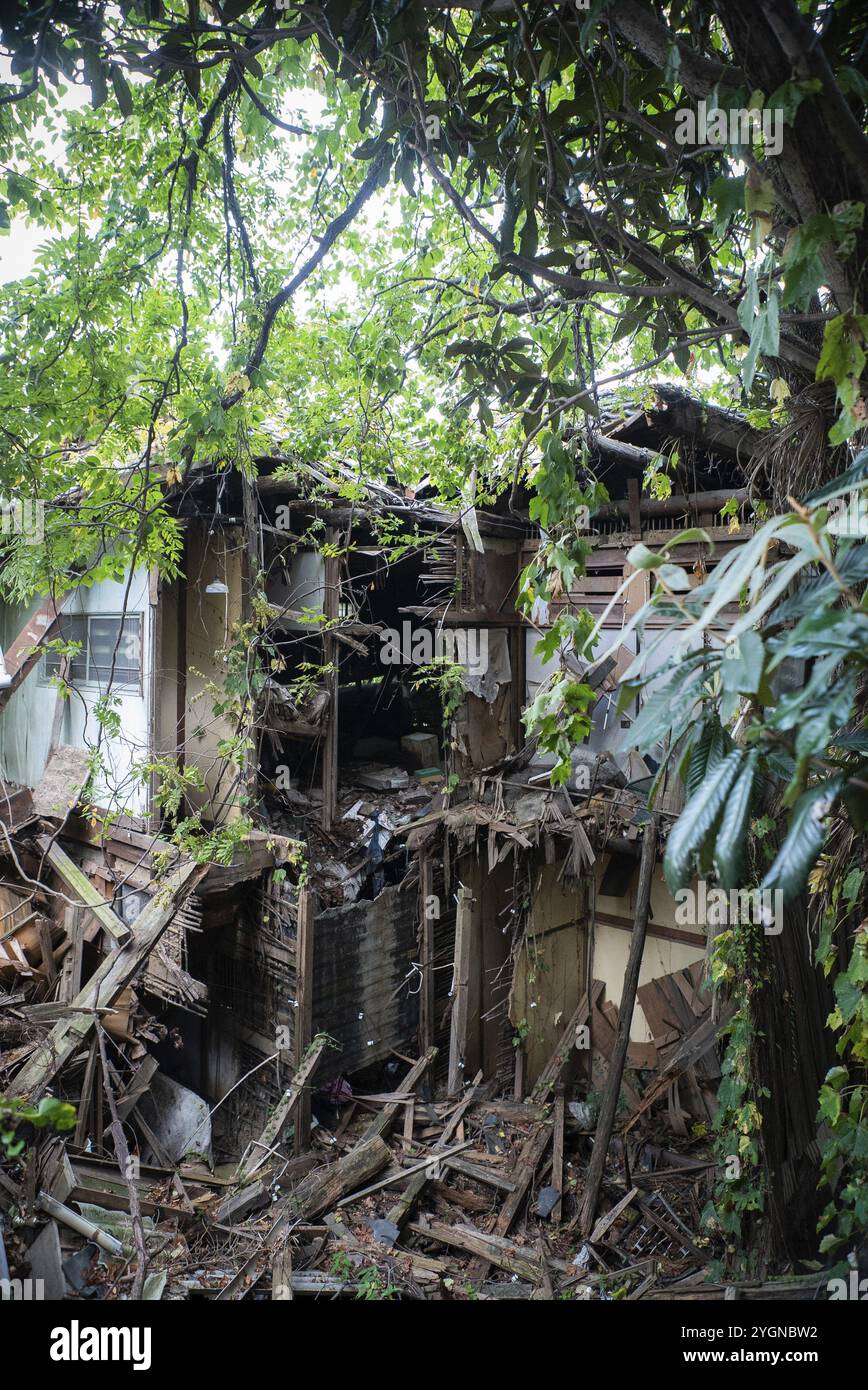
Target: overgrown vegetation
[(521, 232)]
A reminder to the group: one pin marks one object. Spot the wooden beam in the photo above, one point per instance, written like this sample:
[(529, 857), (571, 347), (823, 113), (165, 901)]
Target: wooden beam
[(491, 1250), (461, 982), (426, 952), (78, 883), (380, 1127), (528, 1161), (259, 1151), (330, 658), (556, 1066), (606, 1122), (108, 981)]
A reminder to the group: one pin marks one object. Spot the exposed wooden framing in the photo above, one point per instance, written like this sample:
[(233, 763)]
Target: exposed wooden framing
[(79, 883), (26, 649), (380, 1127), (686, 938), (303, 1036), (108, 981), (606, 1122), (633, 505), (426, 953), (259, 1151), (461, 981)]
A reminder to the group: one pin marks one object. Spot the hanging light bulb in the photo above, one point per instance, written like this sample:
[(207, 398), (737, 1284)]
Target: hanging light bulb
[(216, 587)]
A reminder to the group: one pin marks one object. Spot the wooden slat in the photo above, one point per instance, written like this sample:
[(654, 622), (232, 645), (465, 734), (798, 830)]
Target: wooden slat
[(79, 884), (108, 981)]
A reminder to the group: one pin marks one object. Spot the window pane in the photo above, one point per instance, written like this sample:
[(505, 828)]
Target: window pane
[(109, 656), (70, 629)]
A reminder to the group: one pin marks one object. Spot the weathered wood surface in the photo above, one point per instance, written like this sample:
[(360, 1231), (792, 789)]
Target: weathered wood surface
[(108, 981), (259, 1151), (78, 883)]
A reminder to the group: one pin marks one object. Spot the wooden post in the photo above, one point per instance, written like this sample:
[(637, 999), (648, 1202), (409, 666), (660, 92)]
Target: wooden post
[(70, 970), (304, 1012), (606, 1122), (330, 657), (558, 1150), (460, 984), (426, 953)]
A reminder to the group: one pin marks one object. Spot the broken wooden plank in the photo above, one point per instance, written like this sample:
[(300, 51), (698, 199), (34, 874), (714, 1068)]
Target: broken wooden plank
[(108, 981), (78, 883), (322, 1189), (384, 1121), (400, 1211), (605, 1222), (606, 1121), (524, 1263), (489, 1176), (554, 1069), (281, 1274), (429, 1165), (528, 1161), (260, 1150), (460, 989)]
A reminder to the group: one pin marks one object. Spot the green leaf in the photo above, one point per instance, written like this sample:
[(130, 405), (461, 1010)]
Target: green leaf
[(123, 95), (698, 819), (742, 666), (730, 848), (804, 839), (711, 747), (641, 558)]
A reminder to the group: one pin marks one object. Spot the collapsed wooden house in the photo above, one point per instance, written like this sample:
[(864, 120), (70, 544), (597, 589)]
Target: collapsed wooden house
[(448, 904)]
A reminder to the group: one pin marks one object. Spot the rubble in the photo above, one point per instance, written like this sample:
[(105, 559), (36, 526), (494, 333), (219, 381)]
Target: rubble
[(434, 1031)]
